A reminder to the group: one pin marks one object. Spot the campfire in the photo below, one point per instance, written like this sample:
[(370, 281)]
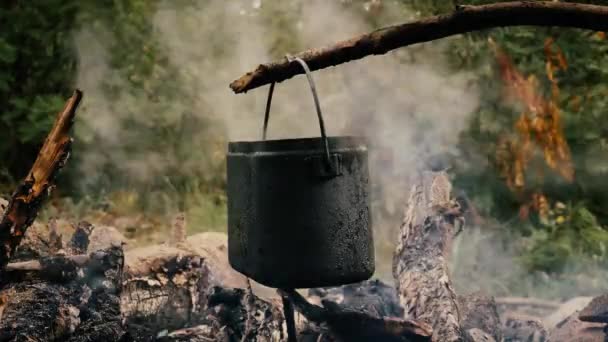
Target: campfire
[(299, 218), (79, 284)]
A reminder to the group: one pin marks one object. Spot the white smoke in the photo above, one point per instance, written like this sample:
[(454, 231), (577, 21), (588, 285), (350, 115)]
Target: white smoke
[(406, 102)]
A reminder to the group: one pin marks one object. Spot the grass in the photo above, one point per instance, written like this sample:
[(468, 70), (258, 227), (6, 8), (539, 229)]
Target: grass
[(150, 224)]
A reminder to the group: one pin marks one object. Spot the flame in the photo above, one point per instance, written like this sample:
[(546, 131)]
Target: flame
[(539, 125)]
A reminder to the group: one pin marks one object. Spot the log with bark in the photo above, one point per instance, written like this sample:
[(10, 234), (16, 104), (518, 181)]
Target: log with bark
[(25, 202), (463, 19), (421, 266)]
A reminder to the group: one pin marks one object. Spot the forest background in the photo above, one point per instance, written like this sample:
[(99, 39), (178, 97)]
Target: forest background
[(518, 116)]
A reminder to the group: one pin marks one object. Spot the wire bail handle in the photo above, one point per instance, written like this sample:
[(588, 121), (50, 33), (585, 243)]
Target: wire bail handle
[(313, 89)]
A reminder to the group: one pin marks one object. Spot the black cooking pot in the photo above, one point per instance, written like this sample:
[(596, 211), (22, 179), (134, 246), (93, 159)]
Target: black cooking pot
[(298, 209)]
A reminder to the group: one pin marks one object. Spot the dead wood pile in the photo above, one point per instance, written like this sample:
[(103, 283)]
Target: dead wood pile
[(83, 286), (187, 292)]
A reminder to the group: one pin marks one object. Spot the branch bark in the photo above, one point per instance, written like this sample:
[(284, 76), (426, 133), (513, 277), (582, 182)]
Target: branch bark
[(464, 19), (27, 199)]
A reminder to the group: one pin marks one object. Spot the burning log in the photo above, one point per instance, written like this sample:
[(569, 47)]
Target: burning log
[(463, 19), (27, 199)]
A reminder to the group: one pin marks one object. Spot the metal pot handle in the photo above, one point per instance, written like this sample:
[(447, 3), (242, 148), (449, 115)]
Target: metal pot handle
[(313, 89)]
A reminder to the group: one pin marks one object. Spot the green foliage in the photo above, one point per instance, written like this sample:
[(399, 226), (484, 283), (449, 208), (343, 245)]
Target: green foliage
[(582, 103), (572, 233), (37, 68), (169, 149), (159, 152)]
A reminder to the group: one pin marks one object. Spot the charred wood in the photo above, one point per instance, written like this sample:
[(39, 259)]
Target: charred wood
[(86, 308), (79, 243), (347, 324), (26, 200), (420, 264), (372, 296), (521, 328)]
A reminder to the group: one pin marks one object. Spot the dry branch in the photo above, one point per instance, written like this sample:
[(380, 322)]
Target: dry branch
[(27, 199), (44, 265), (465, 19)]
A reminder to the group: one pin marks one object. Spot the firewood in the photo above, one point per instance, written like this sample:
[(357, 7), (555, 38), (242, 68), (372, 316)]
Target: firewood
[(420, 263), (85, 308), (26, 200)]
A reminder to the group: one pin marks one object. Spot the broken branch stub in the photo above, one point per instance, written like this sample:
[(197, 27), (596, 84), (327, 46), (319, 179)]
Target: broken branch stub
[(465, 19), (27, 199)]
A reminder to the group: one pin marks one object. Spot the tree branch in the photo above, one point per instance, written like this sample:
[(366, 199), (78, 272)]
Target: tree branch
[(27, 199), (465, 19)]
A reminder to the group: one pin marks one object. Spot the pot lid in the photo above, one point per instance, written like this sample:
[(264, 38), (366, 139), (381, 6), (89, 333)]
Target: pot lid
[(302, 144)]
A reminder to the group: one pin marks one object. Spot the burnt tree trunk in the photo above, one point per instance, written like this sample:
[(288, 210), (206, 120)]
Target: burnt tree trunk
[(420, 264)]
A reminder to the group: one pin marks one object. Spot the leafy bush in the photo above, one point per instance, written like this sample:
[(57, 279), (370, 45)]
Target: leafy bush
[(37, 70), (570, 235), (549, 245), (172, 157)]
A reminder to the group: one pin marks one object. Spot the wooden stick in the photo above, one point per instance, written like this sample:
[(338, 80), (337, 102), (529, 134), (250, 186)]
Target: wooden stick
[(27, 199), (464, 19), (38, 266)]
